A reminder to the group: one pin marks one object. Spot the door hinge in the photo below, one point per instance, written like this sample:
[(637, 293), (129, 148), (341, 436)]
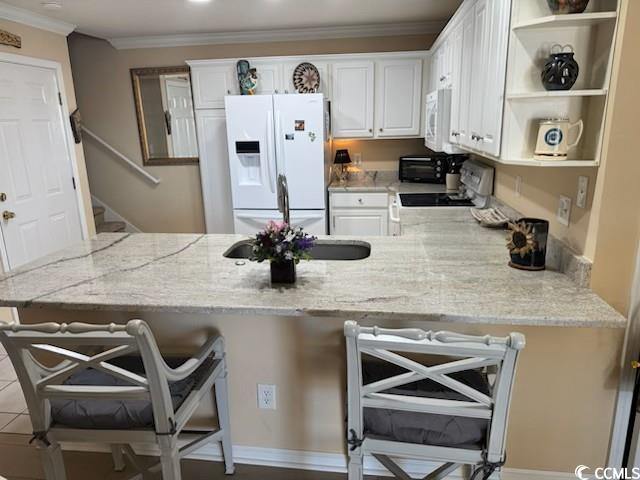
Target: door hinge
[(73, 181), (60, 98)]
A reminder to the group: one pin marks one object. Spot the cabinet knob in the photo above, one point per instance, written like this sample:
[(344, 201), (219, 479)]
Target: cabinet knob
[(381, 129), (360, 201), (228, 92), (276, 90), (371, 130), (3, 197)]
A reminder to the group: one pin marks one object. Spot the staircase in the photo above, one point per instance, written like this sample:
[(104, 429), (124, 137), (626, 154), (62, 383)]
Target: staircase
[(102, 226)]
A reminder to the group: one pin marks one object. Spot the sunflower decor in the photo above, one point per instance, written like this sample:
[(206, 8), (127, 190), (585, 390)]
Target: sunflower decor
[(521, 239)]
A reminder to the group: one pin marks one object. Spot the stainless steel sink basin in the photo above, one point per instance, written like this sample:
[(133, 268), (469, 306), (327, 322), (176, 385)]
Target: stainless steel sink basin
[(323, 250)]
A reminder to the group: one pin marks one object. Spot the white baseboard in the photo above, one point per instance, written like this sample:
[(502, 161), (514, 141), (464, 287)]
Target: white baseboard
[(320, 462), (110, 215)]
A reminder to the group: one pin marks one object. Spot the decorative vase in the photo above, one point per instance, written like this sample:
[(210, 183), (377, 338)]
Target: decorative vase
[(527, 243), (247, 78), (283, 272), (561, 70), (567, 6)]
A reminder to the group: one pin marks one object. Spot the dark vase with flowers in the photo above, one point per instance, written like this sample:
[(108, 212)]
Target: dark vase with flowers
[(283, 246), (283, 271)]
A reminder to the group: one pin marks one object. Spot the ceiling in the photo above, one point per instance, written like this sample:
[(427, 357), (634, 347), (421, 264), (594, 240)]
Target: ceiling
[(113, 19)]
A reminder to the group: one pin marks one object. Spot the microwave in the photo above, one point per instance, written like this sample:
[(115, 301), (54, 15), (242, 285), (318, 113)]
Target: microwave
[(423, 168), (438, 109)]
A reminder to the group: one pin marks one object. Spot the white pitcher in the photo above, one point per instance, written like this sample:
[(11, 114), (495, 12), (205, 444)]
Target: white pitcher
[(553, 138)]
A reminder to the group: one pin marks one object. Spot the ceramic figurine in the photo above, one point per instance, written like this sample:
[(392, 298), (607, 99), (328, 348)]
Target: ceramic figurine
[(561, 70), (247, 78), (567, 6)]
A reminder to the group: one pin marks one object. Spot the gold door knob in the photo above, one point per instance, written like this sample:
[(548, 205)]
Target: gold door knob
[(7, 215), (635, 364), (3, 197)]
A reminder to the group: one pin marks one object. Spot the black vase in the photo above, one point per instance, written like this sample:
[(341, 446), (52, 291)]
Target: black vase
[(528, 245), (283, 272), (560, 71)]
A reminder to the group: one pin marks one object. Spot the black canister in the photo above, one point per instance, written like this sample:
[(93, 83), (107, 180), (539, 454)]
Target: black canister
[(561, 70), (527, 243)]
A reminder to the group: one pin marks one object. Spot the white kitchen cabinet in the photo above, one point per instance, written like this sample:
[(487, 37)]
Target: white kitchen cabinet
[(211, 83), (478, 70), (398, 92), (359, 213), (353, 92), (456, 42), (323, 69), (462, 126), (360, 221), (214, 170), (270, 77)]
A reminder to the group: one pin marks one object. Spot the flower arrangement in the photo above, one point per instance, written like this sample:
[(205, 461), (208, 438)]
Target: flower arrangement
[(280, 243)]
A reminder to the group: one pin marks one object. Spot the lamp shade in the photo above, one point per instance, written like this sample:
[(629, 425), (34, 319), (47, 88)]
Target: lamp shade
[(342, 157)]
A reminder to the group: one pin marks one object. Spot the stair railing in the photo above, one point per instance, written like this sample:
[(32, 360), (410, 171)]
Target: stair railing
[(130, 163)]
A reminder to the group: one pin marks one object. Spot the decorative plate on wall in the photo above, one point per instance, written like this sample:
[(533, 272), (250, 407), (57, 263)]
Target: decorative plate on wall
[(306, 78)]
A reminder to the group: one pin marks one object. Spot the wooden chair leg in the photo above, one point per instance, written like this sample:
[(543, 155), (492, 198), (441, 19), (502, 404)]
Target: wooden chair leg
[(170, 458), (118, 458), (355, 467), (222, 406), (52, 462)]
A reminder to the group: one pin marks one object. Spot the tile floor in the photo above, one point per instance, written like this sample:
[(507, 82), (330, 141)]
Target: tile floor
[(14, 417)]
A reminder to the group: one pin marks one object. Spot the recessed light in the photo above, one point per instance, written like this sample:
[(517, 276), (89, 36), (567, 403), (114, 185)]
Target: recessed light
[(51, 5)]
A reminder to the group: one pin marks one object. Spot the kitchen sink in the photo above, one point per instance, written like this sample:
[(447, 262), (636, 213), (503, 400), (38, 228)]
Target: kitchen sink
[(323, 250)]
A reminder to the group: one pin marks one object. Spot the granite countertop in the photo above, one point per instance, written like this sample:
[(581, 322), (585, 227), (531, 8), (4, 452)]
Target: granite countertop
[(456, 272), (383, 181)]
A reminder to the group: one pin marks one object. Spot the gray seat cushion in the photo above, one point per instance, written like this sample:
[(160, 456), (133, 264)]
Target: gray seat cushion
[(119, 414), (424, 428)]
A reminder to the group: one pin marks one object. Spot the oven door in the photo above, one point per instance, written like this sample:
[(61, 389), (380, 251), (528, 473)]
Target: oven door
[(425, 170)]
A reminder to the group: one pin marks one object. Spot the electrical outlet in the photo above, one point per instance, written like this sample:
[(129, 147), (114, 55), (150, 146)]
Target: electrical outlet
[(357, 159), (583, 186), (564, 210), (266, 396), (518, 186)]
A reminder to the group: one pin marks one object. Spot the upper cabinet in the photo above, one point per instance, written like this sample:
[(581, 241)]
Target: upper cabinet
[(211, 83), (352, 92), (398, 93), (270, 77)]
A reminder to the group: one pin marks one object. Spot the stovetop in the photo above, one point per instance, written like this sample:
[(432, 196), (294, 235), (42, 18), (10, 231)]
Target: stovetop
[(433, 200)]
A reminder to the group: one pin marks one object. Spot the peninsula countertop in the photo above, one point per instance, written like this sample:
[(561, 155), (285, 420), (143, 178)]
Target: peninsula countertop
[(456, 272)]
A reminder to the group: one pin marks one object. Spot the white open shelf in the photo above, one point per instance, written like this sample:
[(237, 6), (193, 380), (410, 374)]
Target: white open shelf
[(589, 92), (565, 21), (532, 162)]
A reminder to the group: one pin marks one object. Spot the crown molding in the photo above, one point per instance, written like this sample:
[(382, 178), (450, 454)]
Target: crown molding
[(258, 36), (32, 19)]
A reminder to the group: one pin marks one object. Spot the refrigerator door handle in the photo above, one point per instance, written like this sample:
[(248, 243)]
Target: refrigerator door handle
[(270, 154), (280, 160)]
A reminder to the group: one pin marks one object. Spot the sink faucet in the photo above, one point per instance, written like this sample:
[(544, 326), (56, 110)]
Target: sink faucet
[(283, 198)]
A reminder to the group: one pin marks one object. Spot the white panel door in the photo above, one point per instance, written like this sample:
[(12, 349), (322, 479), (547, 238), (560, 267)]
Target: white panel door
[(352, 106), (398, 90), (35, 165), (495, 76), (214, 170), (269, 78), (183, 126), (479, 70), (360, 221), (212, 83), (249, 222), (299, 141), (252, 158), (466, 79)]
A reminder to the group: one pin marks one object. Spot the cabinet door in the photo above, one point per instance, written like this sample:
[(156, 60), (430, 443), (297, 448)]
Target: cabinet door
[(455, 80), (495, 74), (269, 78), (466, 80), (352, 106), (212, 83), (359, 221), (479, 71), (214, 170), (323, 70), (398, 89)]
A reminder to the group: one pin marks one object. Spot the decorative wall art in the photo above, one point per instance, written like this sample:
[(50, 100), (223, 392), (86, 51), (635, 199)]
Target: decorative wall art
[(306, 78), (8, 38)]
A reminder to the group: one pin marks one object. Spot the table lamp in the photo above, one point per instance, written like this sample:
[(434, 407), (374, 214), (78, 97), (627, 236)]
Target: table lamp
[(342, 158)]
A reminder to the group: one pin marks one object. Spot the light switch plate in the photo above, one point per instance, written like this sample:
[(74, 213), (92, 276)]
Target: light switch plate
[(564, 210), (583, 186), (518, 186)]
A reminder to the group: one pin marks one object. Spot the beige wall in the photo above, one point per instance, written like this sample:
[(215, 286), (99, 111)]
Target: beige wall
[(50, 46), (104, 93)]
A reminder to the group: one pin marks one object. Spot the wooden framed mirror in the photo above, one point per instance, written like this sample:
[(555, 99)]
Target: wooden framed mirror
[(165, 113)]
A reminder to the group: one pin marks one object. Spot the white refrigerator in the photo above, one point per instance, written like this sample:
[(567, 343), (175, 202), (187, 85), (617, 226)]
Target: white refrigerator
[(271, 135)]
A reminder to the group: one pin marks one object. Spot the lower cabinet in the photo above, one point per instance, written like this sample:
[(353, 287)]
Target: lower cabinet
[(359, 214)]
